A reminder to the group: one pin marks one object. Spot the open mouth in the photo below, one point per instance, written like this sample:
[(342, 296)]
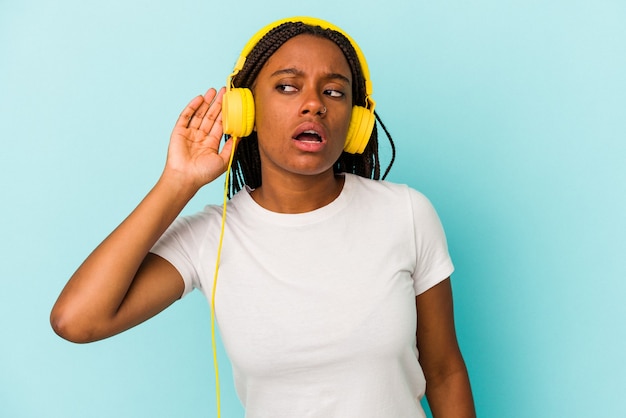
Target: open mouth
[(309, 136)]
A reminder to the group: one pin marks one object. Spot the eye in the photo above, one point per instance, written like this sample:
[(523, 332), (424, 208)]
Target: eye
[(286, 88), (334, 93)]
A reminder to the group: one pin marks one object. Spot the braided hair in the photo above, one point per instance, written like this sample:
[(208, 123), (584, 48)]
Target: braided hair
[(246, 168)]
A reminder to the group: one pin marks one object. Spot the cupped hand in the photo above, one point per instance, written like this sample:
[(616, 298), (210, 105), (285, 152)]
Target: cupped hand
[(194, 152)]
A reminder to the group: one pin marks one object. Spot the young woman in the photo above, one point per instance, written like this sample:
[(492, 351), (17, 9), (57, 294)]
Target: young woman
[(332, 284)]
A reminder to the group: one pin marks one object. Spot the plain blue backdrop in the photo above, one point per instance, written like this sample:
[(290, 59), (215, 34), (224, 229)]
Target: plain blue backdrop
[(510, 116)]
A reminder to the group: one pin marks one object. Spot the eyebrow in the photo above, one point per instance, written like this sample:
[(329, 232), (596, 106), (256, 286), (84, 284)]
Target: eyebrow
[(296, 72)]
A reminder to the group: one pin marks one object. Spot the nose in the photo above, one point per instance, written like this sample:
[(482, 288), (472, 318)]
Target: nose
[(313, 105)]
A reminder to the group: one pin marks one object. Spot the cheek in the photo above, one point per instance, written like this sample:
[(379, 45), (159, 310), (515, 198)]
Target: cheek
[(265, 127), (265, 118), (344, 124)]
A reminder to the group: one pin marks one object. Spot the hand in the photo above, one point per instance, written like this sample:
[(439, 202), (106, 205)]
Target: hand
[(194, 155)]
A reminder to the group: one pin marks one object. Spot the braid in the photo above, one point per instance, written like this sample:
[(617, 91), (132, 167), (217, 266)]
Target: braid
[(246, 169)]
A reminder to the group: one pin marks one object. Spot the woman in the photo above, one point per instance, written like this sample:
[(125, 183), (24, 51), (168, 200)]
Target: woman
[(325, 275)]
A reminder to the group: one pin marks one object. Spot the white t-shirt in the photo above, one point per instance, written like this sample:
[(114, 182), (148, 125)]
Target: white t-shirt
[(317, 310)]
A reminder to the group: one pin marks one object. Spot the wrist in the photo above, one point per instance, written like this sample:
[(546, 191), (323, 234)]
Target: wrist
[(177, 185)]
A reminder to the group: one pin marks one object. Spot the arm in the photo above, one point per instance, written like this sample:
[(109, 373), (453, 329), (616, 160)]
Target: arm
[(447, 383), (121, 284)]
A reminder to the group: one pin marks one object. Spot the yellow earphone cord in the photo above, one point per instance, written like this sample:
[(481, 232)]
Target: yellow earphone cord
[(217, 264)]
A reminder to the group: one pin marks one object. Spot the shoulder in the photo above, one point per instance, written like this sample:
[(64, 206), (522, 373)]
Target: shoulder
[(214, 211), (392, 199), (366, 185), (204, 216), (381, 189)]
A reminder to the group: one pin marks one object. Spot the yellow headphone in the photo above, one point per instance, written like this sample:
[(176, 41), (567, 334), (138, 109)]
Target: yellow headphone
[(238, 104)]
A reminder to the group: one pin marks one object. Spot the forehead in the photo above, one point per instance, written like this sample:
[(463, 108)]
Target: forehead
[(309, 52)]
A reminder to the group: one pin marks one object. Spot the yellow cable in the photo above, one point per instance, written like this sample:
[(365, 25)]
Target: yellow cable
[(217, 264)]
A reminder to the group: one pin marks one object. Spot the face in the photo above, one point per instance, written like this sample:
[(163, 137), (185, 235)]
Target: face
[(303, 102)]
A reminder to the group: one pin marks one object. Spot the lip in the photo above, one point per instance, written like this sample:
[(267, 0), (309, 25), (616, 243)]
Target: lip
[(310, 146)]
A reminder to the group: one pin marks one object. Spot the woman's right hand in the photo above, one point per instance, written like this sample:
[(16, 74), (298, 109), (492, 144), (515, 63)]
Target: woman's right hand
[(194, 156)]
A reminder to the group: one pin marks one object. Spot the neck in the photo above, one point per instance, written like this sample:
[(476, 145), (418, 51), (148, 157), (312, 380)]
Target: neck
[(299, 194)]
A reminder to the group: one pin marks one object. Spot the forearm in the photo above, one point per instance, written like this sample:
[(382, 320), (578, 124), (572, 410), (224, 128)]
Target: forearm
[(99, 286), (450, 396), (447, 383)]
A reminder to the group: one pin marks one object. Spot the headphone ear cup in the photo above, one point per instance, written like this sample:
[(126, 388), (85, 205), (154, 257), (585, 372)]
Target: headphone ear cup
[(360, 130), (238, 112)]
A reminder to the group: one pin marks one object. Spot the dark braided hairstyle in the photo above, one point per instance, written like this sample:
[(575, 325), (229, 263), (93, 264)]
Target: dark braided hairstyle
[(246, 168)]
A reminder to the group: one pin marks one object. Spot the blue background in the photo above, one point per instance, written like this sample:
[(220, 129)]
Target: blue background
[(510, 116)]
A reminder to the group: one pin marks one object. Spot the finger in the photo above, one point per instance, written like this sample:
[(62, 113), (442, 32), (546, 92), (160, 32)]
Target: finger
[(189, 111), (210, 95), (213, 113), (227, 149), (217, 131), (198, 116)]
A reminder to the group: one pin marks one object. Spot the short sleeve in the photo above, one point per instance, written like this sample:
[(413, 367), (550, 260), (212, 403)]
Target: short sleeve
[(433, 262), (181, 245)]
